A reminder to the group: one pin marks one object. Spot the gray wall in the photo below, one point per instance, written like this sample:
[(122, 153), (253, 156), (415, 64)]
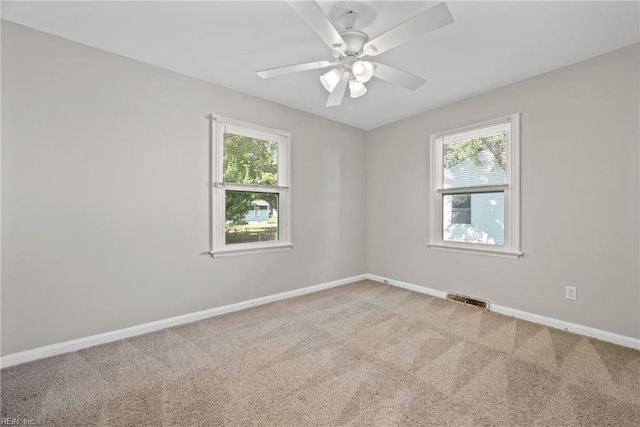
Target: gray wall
[(580, 187), (104, 195), (105, 202)]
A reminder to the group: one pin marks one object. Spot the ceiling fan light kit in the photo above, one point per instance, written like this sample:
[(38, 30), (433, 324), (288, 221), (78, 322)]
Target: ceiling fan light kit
[(356, 88), (350, 46), (330, 79), (362, 71)]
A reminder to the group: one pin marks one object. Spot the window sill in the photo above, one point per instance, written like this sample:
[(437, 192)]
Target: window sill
[(250, 249), (480, 251)]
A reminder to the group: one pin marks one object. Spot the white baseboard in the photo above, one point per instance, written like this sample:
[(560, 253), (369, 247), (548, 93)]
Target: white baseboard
[(570, 327), (93, 340), (409, 286), (535, 318)]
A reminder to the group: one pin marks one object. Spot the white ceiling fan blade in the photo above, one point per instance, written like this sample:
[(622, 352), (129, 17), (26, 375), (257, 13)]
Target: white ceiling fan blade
[(397, 77), (318, 21), (278, 71), (335, 98), (431, 19)]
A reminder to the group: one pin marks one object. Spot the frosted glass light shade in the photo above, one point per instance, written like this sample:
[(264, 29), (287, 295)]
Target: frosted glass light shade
[(356, 88), (362, 71), (330, 80)]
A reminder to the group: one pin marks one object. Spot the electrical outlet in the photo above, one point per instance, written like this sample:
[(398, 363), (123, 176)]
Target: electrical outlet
[(570, 292)]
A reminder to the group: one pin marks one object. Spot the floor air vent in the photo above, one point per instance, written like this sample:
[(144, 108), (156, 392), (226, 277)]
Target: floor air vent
[(474, 302)]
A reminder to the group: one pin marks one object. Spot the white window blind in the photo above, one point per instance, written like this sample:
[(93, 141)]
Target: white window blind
[(476, 161)]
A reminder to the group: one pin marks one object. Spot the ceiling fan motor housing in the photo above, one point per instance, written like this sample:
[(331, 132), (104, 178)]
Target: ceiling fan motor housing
[(355, 40)]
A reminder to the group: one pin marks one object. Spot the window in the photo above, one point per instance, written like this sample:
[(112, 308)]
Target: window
[(475, 188), (250, 194)]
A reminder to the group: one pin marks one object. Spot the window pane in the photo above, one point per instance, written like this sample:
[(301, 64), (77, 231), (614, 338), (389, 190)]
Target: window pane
[(249, 160), (473, 218), (478, 161), (250, 217), (461, 209)]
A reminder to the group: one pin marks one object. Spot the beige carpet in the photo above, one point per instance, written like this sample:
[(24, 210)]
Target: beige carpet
[(361, 354)]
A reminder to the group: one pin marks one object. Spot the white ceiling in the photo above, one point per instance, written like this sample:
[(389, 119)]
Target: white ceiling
[(490, 44)]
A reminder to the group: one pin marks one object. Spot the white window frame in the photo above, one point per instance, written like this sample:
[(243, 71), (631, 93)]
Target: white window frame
[(511, 190), (218, 127)]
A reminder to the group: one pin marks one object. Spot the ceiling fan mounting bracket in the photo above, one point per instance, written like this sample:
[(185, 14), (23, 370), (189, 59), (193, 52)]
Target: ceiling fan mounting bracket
[(348, 19)]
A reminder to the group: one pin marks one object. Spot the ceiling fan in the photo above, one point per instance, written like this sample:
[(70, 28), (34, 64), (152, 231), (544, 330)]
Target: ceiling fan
[(350, 46)]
